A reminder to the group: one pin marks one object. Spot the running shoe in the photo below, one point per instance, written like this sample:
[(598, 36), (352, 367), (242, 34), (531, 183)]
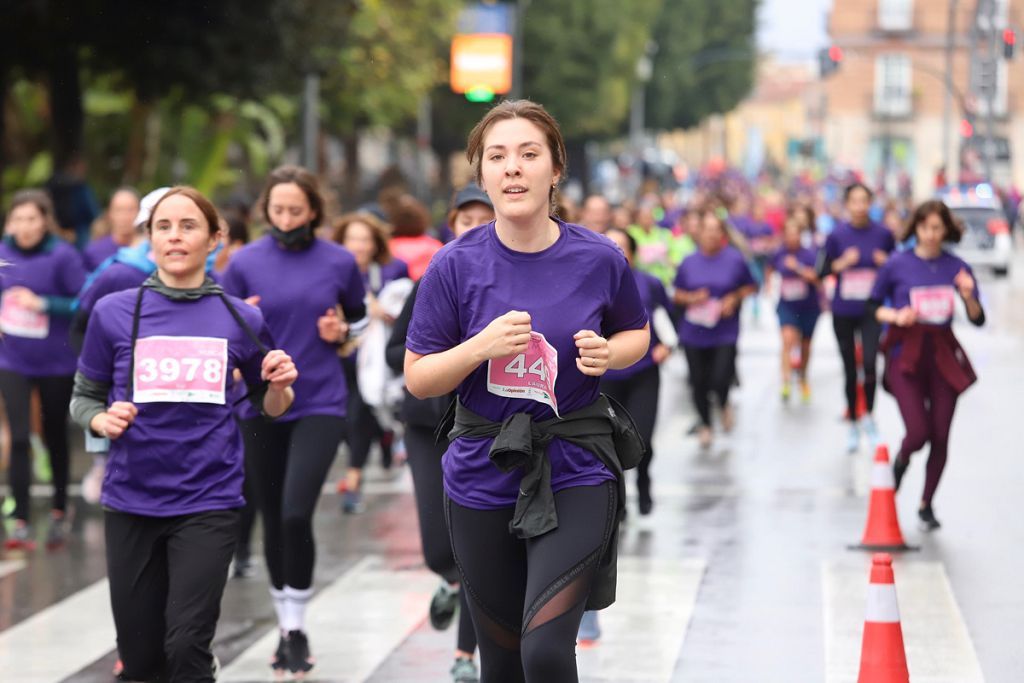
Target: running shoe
[(352, 502), (644, 500), (870, 430), (279, 662), (118, 668), (928, 520), (57, 535), (300, 661), (899, 468), (20, 538), (590, 629), (728, 418), (704, 437), (785, 393), (805, 392), (40, 459), (464, 671), (443, 606), (853, 439), (244, 568), (8, 506)]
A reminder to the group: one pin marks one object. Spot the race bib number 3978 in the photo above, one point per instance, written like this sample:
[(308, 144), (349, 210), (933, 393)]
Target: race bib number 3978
[(933, 305), (180, 370), (530, 375)]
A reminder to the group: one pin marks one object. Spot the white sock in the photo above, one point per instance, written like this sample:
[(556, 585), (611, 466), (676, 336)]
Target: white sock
[(295, 601), (278, 596)]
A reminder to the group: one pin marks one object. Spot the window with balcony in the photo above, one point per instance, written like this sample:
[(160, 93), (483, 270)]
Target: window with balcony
[(895, 15), (893, 85)]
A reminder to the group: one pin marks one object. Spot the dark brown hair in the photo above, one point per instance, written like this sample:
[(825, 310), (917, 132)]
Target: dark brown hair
[(378, 230), (518, 109), (205, 206), (42, 201), (954, 230), (306, 181), (409, 218)]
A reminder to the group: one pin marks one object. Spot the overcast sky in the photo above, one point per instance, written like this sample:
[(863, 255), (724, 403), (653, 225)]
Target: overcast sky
[(792, 29)]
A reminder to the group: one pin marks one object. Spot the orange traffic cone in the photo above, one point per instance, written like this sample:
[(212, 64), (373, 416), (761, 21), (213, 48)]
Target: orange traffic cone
[(882, 658), (882, 531)]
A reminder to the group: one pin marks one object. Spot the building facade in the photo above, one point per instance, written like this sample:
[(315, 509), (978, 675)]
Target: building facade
[(889, 110)]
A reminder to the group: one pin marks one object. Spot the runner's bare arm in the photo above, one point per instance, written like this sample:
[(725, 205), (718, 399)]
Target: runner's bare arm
[(437, 374)]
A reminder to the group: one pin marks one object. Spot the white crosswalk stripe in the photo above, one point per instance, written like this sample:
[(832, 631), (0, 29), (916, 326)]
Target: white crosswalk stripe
[(938, 645)]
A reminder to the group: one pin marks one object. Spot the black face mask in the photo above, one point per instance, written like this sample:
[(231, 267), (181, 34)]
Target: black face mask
[(297, 239)]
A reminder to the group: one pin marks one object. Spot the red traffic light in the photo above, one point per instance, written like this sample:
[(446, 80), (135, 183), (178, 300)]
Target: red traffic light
[(1010, 36), (966, 129), (835, 53)]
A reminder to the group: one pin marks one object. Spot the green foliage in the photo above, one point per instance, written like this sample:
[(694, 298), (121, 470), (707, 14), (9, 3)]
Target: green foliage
[(705, 60)]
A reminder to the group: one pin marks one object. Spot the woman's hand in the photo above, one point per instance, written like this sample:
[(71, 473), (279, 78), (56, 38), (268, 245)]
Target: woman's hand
[(904, 317), (879, 257), (594, 355), (279, 370), (331, 327), (730, 304), (115, 421), (506, 335), (660, 353), (26, 298), (965, 284)]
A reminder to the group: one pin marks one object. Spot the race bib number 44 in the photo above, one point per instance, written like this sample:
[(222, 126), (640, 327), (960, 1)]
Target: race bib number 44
[(180, 370), (933, 305), (793, 289), (530, 375), (18, 321), (856, 284)]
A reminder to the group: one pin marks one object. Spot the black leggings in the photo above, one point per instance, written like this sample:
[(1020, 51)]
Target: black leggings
[(712, 370), (55, 396), (870, 329), (288, 463), (364, 428), (639, 395), (167, 576), (428, 485), (527, 597)]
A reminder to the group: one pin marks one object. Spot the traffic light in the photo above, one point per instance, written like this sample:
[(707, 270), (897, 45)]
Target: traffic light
[(966, 128), (1009, 43), (480, 93), (829, 59)]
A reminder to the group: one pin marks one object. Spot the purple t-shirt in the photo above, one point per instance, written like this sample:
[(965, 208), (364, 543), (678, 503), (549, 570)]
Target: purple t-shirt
[(37, 344), (653, 296), (581, 282), (854, 285), (906, 279), (703, 325), (394, 269), (797, 294), (116, 277), (98, 251), (177, 457), (296, 288)]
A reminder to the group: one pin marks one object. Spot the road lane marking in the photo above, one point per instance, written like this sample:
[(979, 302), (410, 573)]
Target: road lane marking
[(62, 639), (642, 633), (353, 624), (938, 645)]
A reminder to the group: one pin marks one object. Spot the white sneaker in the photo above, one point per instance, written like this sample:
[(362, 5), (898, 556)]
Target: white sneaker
[(92, 482), (853, 439), (867, 423)]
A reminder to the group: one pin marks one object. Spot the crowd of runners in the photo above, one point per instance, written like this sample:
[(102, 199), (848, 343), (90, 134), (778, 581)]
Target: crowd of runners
[(511, 355)]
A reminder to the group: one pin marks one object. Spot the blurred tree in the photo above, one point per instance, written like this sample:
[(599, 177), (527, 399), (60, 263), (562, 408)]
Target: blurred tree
[(705, 61)]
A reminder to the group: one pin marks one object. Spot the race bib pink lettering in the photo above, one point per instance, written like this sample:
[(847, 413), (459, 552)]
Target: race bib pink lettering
[(653, 253), (933, 305), (18, 321), (529, 375), (180, 370), (705, 314), (856, 284), (793, 289)]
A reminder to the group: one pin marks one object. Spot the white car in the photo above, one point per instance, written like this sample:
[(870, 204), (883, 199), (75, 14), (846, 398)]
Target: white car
[(986, 241)]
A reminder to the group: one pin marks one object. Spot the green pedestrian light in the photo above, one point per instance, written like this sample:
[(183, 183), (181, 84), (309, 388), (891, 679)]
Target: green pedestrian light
[(480, 94)]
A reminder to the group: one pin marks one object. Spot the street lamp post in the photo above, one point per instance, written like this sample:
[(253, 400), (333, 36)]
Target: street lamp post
[(947, 114)]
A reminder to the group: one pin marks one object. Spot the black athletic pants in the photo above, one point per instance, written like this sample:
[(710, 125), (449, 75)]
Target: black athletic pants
[(363, 428), (167, 576), (428, 485), (712, 370), (870, 330), (639, 395), (528, 597), (288, 463), (55, 396)]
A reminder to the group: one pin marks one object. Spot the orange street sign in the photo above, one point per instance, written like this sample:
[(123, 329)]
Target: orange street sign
[(482, 60)]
